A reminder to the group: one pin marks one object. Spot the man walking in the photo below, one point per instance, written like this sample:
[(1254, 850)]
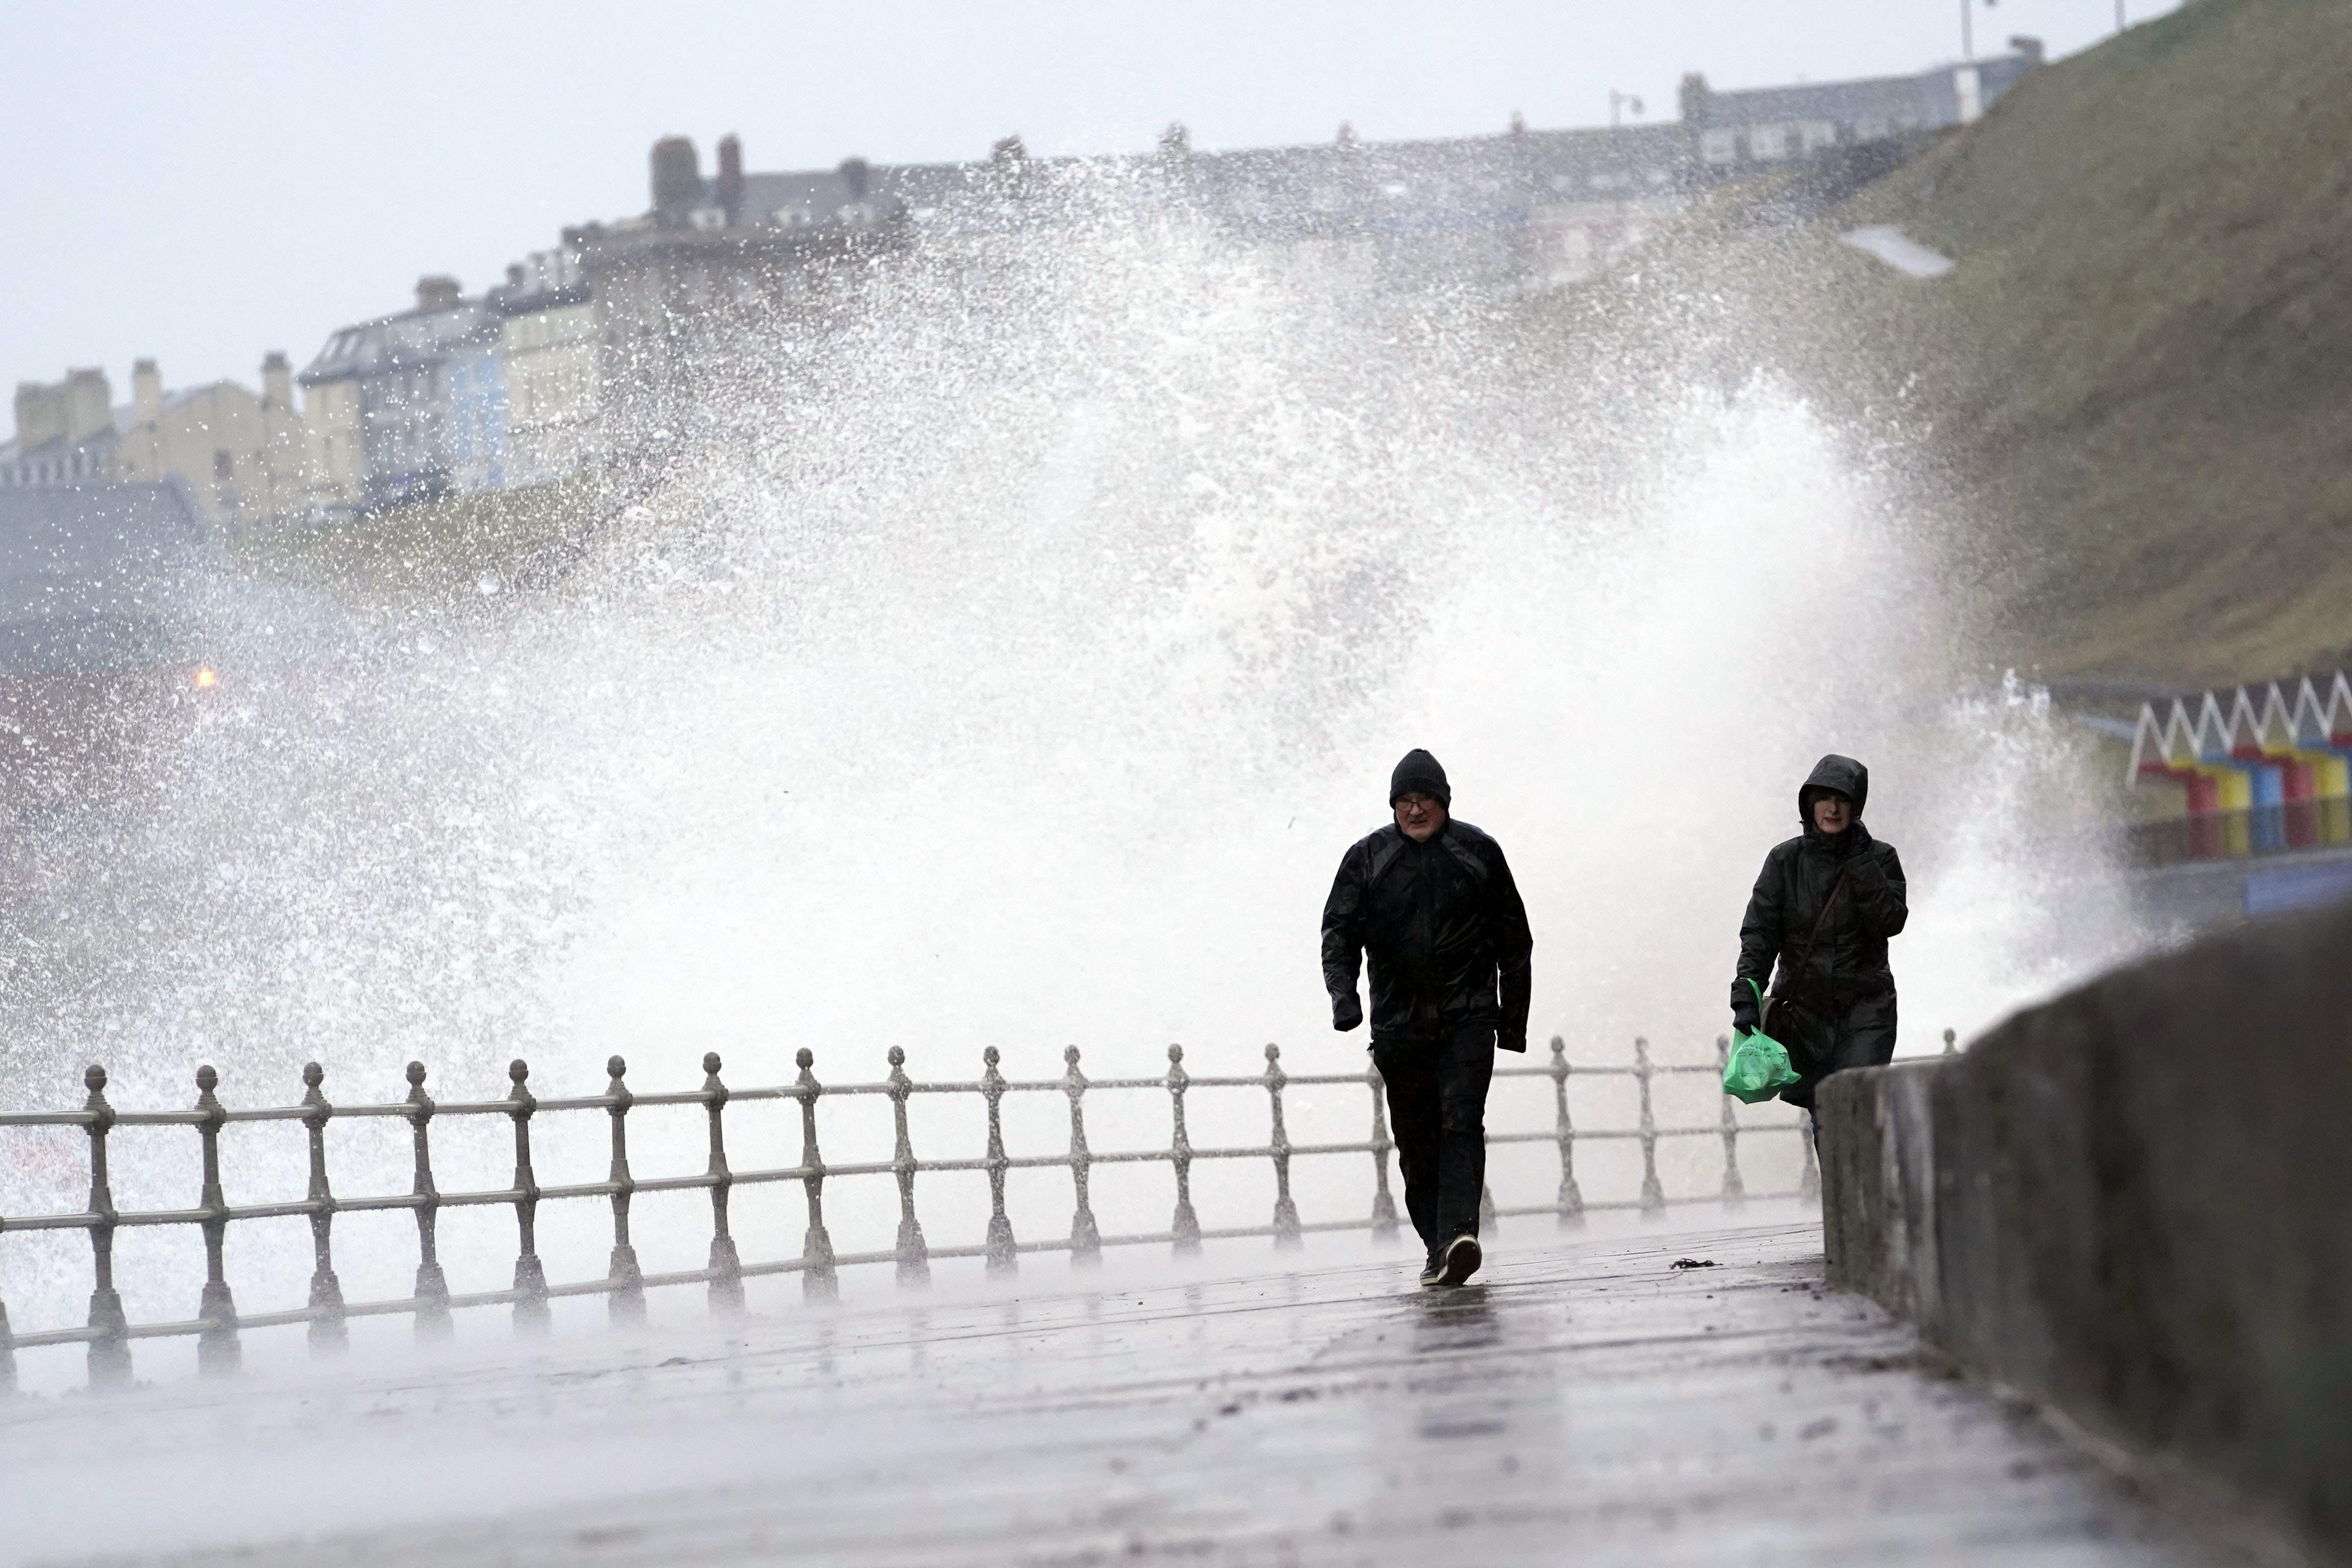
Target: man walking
[(1431, 901)]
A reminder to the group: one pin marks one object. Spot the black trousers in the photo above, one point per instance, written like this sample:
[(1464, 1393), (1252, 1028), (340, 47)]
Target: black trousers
[(1862, 1035), (1437, 1112)]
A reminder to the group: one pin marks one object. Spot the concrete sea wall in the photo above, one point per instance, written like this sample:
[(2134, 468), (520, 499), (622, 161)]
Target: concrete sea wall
[(2135, 1203)]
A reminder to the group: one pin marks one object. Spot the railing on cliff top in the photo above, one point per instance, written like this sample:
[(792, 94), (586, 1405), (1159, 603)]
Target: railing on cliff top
[(218, 1323)]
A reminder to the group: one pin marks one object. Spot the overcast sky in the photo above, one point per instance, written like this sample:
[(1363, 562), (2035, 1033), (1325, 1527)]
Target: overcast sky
[(204, 183)]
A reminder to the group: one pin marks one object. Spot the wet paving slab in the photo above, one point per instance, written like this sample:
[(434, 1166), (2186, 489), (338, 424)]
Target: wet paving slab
[(1585, 1401)]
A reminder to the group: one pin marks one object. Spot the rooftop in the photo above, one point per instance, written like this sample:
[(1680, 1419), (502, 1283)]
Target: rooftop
[(406, 338), (115, 577)]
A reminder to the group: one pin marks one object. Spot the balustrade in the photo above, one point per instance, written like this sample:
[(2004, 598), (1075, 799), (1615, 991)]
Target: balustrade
[(219, 1326)]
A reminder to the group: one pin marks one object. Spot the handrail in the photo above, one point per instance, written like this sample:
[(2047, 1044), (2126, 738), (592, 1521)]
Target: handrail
[(218, 1324)]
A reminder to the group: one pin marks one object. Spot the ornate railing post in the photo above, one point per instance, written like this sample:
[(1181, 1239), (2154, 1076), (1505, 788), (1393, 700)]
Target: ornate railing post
[(1653, 1197), (1286, 1213), (1384, 1211), (217, 1353), (432, 1285), (110, 1353), (1570, 1199), (530, 1314), (726, 1265), (818, 1280), (7, 1351), (1186, 1225), (1735, 1191), (625, 1304), (7, 1347), (1086, 1237), (1003, 1257), (914, 1256), (329, 1331), (1951, 1042)]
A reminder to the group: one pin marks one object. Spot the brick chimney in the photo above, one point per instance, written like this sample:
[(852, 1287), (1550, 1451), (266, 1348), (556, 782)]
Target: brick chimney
[(729, 189), (277, 380), (37, 414), (146, 393), (89, 404), (72, 409), (676, 177), (438, 292)]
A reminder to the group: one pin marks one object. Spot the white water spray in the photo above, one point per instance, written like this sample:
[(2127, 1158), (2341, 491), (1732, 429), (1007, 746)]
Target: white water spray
[(1017, 676)]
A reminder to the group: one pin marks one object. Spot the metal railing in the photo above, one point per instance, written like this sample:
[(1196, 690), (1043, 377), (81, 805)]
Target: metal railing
[(108, 1335)]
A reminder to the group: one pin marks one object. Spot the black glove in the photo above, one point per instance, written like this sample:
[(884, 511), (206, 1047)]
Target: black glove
[(1743, 1017), (1346, 1012)]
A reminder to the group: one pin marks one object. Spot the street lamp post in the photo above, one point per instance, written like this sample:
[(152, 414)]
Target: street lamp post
[(1969, 25)]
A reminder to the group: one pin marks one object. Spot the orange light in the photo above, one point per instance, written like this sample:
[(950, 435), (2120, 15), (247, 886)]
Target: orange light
[(206, 679)]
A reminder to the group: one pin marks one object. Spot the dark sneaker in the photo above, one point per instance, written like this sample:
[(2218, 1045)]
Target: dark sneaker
[(1459, 1260), (1431, 1270)]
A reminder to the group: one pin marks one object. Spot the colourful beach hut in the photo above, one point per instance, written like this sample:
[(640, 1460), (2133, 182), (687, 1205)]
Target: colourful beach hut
[(2261, 768)]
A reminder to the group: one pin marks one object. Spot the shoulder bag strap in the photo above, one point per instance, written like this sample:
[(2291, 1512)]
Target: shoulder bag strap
[(1812, 940)]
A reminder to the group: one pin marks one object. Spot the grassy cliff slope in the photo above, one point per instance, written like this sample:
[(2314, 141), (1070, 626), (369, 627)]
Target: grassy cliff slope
[(436, 556), (2145, 349)]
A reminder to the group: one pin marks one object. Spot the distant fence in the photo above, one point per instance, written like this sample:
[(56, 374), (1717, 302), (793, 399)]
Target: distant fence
[(218, 1323)]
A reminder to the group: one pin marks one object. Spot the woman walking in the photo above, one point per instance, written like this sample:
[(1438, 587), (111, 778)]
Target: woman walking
[(1823, 907)]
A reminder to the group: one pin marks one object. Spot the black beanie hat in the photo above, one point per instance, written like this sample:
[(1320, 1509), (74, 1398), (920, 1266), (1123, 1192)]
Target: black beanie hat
[(1420, 771)]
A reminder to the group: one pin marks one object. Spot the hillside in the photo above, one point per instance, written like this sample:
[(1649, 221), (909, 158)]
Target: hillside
[(435, 556), (2144, 358)]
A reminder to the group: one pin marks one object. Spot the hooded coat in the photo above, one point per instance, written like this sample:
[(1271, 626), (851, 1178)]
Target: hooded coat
[(1833, 1004), (1444, 927)]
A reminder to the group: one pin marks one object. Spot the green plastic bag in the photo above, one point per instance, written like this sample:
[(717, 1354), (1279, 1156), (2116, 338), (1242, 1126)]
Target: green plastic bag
[(1758, 1068)]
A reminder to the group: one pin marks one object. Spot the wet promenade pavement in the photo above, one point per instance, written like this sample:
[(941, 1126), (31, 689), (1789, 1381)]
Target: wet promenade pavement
[(1586, 1402)]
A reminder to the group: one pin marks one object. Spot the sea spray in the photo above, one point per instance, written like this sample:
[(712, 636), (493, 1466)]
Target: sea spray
[(1006, 662)]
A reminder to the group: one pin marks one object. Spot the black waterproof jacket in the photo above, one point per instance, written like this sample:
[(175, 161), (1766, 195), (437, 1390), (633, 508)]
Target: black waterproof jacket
[(1848, 962), (1444, 929)]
